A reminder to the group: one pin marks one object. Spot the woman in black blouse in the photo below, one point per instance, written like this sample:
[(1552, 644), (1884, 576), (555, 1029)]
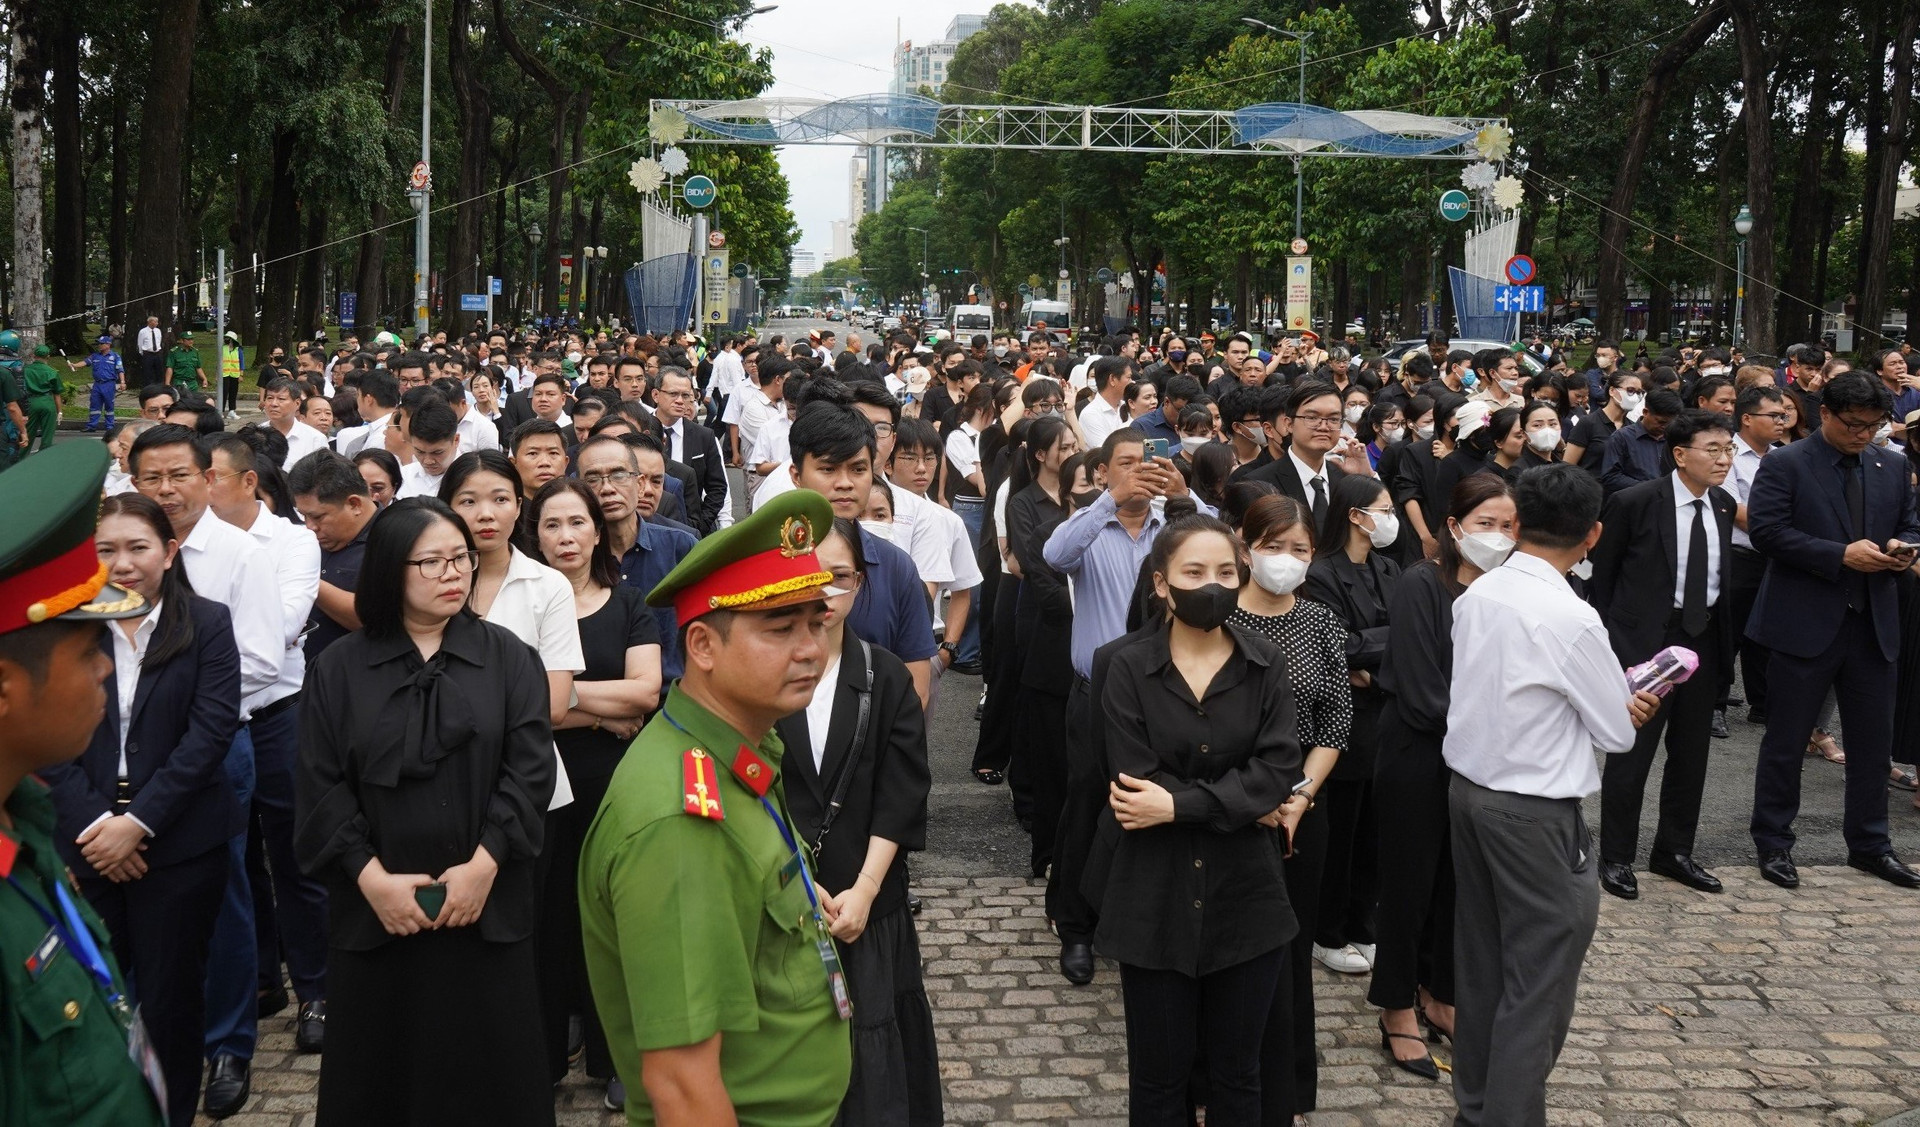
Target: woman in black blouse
[(620, 641), (1043, 628), (1278, 532), (1355, 575), (426, 766), (1546, 441), (1203, 744), (1413, 967), (1414, 472), (861, 746)]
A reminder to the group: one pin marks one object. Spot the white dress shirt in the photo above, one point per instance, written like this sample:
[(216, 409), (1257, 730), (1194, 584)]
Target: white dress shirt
[(294, 554), (820, 711), (729, 375), (355, 439), (1684, 503), (675, 434), (1746, 463), (1098, 419), (757, 413), (779, 481), (1307, 477), (301, 441), (150, 339), (963, 453), (128, 654), (415, 482), (535, 603), (477, 432), (231, 568), (1536, 686), (770, 445), (919, 532), (961, 569)]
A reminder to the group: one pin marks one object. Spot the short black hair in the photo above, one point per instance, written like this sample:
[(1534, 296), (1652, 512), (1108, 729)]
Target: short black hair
[(916, 434), (434, 422), (600, 440), (534, 428), (830, 432), (478, 462), (1306, 393), (1419, 364), (1557, 505), (1851, 390), (380, 386), (1185, 389), (281, 383), (1707, 387), (167, 434), (1107, 369), (154, 391), (380, 597), (1756, 397), (1240, 404), (1693, 421), (550, 377), (328, 476), (407, 360), (1664, 402)]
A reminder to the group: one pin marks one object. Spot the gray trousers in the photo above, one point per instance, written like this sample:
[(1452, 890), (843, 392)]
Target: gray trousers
[(1527, 897)]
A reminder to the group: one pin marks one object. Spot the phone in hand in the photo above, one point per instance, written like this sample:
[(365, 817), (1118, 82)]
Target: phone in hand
[(1157, 448), (431, 898), (1901, 548)]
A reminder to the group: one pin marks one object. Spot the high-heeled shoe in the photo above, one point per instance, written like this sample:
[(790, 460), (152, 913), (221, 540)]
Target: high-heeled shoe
[(1421, 1066), (1435, 1034)]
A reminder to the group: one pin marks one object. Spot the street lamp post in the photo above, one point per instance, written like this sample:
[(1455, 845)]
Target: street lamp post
[(533, 269), (1300, 98), (1742, 226), (923, 266), (589, 254)]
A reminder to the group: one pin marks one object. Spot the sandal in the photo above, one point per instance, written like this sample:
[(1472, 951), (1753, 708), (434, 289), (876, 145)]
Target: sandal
[(1903, 779), (989, 777), (1822, 744)]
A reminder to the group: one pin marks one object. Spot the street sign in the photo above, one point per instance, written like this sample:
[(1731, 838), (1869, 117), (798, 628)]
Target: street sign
[(1026, 290), (1520, 299), (473, 303), (493, 286), (1298, 246), (349, 307), (717, 239), (717, 270), (1519, 269), (420, 177), (1454, 205), (741, 270), (1103, 275), (698, 191), (1299, 293)]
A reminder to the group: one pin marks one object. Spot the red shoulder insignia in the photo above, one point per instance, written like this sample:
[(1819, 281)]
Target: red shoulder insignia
[(9, 849), (702, 795), (754, 773)]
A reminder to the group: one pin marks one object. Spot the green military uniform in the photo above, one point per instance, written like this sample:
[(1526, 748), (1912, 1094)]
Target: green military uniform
[(43, 387), (184, 361), (693, 899), (12, 396), (71, 1051)]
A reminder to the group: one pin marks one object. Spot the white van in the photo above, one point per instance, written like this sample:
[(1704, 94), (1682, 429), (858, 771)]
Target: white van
[(966, 320), (1054, 313)]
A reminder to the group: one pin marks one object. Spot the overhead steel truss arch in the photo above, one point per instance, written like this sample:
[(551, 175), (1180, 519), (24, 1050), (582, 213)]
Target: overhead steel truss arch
[(911, 121)]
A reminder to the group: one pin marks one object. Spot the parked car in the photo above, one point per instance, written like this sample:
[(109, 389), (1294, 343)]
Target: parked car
[(1401, 349)]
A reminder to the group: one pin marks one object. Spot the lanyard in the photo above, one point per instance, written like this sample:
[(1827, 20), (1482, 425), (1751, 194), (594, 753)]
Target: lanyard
[(78, 938)]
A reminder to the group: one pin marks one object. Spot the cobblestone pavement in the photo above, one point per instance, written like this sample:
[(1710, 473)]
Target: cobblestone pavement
[(1755, 1007)]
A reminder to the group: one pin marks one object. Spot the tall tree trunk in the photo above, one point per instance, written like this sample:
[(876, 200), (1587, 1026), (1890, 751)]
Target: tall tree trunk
[(281, 250), (370, 254), (1762, 291), (1798, 317), (1877, 229), (1413, 288), (69, 268), (307, 314), (243, 315), (1615, 221), (560, 99), (163, 150), (475, 118), (1829, 223), (117, 216), (1342, 302), (28, 100), (1875, 16)]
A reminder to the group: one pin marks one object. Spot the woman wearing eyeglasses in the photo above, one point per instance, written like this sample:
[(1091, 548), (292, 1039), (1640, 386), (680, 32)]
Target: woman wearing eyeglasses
[(426, 767)]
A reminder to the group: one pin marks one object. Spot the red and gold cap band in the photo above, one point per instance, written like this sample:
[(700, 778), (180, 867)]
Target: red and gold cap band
[(51, 589), (763, 581)]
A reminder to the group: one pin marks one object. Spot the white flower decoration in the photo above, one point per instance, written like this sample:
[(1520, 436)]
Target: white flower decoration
[(1480, 176), (674, 161), (1508, 192), (645, 175), (667, 126), (1494, 142)]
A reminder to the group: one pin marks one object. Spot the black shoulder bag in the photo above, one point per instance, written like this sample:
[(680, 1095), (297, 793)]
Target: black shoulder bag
[(844, 778)]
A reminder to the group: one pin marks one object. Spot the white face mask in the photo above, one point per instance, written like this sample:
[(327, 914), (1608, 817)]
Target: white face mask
[(1712, 370), (1485, 550), (1191, 444), (1424, 432), (1255, 433), (1583, 570), (1544, 439), (1000, 354), (574, 357), (1385, 530), (1280, 573), (882, 529), (1632, 401), (1391, 435), (1881, 436), (1355, 413), (1508, 385)]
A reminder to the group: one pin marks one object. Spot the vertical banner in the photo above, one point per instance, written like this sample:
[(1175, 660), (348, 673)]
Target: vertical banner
[(566, 280), (714, 278), (1299, 293)]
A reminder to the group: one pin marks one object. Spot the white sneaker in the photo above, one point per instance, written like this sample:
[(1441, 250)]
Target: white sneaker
[(1365, 951), (1340, 960)]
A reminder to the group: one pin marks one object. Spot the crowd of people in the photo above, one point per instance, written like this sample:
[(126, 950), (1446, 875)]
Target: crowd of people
[(511, 702)]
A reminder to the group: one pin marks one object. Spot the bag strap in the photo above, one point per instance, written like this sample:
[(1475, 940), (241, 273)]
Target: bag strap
[(844, 777)]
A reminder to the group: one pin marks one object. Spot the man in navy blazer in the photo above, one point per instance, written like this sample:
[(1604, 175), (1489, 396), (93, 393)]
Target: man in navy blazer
[(1834, 517)]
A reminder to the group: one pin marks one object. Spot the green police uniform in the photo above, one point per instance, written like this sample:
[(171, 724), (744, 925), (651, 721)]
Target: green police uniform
[(184, 360), (71, 1050), (11, 393), (43, 385), (694, 898)]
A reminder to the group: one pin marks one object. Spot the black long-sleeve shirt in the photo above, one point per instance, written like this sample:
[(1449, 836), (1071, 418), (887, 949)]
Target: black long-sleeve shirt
[(1417, 667), (416, 762)]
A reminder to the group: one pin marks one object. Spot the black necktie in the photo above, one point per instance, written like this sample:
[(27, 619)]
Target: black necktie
[(1856, 500), (1319, 500), (1693, 607)]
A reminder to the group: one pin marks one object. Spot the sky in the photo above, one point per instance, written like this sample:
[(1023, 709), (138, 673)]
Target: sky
[(837, 50)]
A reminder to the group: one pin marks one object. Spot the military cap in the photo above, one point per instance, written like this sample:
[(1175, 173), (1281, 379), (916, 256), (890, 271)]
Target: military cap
[(764, 562), (48, 566), (42, 350)]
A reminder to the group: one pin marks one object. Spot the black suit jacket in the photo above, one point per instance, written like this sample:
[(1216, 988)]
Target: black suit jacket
[(516, 410), (185, 713), (1797, 518), (887, 793), (1043, 626), (1636, 566), (1283, 476), (702, 455)]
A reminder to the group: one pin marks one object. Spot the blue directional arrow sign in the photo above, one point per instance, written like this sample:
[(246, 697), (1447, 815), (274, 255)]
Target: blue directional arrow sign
[(1520, 299)]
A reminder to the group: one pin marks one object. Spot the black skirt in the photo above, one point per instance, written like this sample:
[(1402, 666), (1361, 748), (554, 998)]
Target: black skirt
[(896, 1064), (441, 1027)]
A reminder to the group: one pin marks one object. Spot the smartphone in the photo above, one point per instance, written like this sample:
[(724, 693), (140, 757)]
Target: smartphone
[(431, 898), (1157, 447), (1903, 549)]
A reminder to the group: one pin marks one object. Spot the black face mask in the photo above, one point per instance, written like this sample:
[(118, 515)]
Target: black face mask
[(1203, 608), (1085, 497)]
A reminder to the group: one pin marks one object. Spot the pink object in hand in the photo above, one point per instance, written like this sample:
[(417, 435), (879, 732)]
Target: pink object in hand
[(1661, 672)]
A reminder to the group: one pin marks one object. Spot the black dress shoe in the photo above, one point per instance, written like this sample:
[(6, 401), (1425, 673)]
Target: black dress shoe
[(1885, 866), (1777, 866), (310, 1031), (1683, 868), (966, 668), (1619, 880), (271, 1002), (1421, 1066), (1076, 962), (1757, 716), (1719, 728), (228, 1082)]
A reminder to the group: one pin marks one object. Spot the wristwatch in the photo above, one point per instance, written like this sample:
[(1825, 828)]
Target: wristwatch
[(952, 648)]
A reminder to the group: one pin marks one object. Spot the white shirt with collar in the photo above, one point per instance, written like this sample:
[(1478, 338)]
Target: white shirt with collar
[(150, 339), (919, 532), (1746, 463), (302, 440), (415, 482), (729, 374), (676, 436), (1307, 476), (820, 711), (355, 439), (1683, 510), (128, 655), (1098, 419), (477, 432), (536, 603), (230, 567), (963, 452), (757, 412), (295, 556), (1546, 690)]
